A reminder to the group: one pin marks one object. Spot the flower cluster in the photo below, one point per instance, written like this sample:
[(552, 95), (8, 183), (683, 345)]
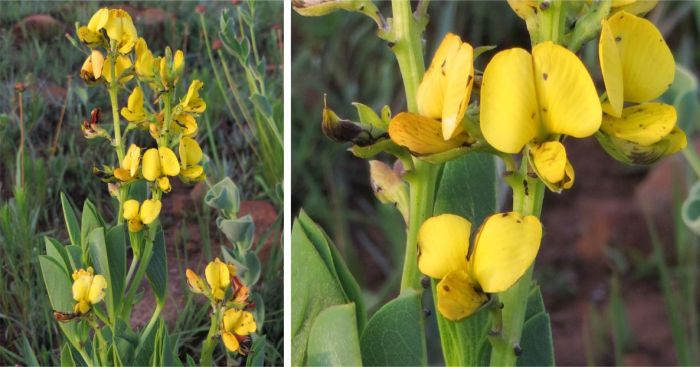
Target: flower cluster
[(119, 56), (529, 102), (88, 290), (228, 294)]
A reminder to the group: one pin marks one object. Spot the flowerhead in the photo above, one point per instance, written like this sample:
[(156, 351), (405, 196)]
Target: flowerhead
[(442, 100), (237, 325), (192, 102), (504, 248), (116, 24), (218, 276), (137, 214), (158, 163), (88, 289), (637, 68), (130, 164), (134, 111), (91, 71), (529, 100)]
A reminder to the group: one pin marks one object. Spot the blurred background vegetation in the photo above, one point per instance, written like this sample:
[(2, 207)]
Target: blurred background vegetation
[(38, 55), (617, 263)]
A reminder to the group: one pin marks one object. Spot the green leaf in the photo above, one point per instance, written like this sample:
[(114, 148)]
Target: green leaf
[(67, 356), (59, 253), (239, 231), (367, 116), (262, 105), (257, 353), (224, 196), (116, 255), (334, 340), (58, 286), (74, 253), (157, 271), (536, 340), (314, 288), (468, 188), (89, 222), (101, 261), (71, 220), (252, 274), (335, 263), (394, 336), (683, 95)]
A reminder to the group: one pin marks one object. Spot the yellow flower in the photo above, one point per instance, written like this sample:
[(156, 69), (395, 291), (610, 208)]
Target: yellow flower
[(159, 163), (190, 152), (218, 276), (195, 281), (442, 99), (130, 164), (635, 7), (185, 124), (636, 63), (90, 34), (118, 25), (504, 248), (121, 71), (134, 111), (236, 323), (91, 71), (139, 214), (637, 68), (533, 99), (120, 28), (193, 102), (88, 289)]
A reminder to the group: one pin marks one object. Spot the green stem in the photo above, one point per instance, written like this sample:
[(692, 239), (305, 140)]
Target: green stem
[(113, 91), (138, 277), (210, 341), (552, 20), (422, 182), (167, 118), (693, 159), (408, 49)]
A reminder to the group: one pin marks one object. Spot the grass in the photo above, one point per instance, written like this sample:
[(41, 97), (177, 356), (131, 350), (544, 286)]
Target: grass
[(55, 96)]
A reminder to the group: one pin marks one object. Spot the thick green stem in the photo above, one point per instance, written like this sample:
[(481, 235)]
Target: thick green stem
[(210, 341), (118, 144), (408, 49), (422, 182), (552, 20), (167, 118)]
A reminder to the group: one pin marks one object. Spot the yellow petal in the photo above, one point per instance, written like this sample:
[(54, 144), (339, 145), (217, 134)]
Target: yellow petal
[(193, 102), (648, 67), (97, 287), (195, 281), (131, 209), (164, 184), (217, 275), (192, 173), (430, 95), (190, 152), (150, 167), (549, 160), (134, 111), (186, 123), (81, 287), (98, 20), (525, 9), (97, 62), (569, 176), (643, 124), (443, 244), (458, 89), (638, 7), (122, 65), (132, 159), (168, 162), (421, 135), (230, 342), (510, 115), (504, 249), (457, 297), (135, 224), (150, 209), (245, 325), (611, 68), (567, 97)]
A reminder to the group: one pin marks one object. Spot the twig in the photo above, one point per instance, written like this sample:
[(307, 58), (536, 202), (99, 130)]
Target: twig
[(54, 145)]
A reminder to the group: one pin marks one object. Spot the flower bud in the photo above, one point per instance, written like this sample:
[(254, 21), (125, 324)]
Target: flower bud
[(388, 186)]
